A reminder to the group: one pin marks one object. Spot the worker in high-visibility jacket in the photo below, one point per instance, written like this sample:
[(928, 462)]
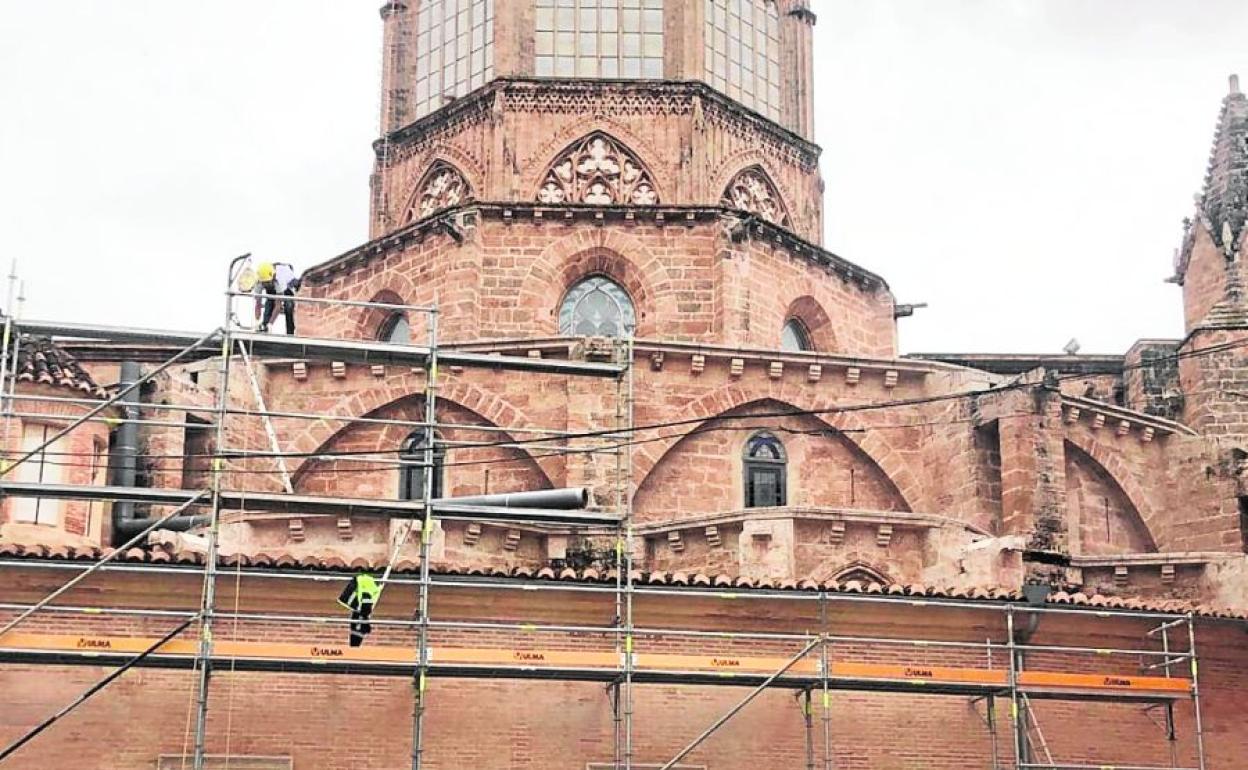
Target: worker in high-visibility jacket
[(360, 596)]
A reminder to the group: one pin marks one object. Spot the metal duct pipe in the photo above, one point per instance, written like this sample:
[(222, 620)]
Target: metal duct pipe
[(126, 448), (128, 528), (566, 499)]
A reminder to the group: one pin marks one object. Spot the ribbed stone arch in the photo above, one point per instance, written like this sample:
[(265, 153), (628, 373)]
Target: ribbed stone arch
[(1120, 477), (492, 410), (731, 398)]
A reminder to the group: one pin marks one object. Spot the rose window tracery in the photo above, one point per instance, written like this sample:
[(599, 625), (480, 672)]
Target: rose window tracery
[(752, 191), (601, 172)]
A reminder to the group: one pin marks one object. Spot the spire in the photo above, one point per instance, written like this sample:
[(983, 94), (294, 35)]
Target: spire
[(1224, 202), (1222, 206)]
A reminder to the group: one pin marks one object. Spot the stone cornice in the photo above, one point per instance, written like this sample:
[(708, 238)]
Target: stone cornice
[(1150, 559), (901, 519), (1075, 406), (450, 222), (481, 101)]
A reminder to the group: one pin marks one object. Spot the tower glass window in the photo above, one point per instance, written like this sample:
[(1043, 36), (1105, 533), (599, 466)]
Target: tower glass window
[(743, 52), (794, 336), (454, 50), (597, 307), (599, 39), (412, 477), (765, 466)]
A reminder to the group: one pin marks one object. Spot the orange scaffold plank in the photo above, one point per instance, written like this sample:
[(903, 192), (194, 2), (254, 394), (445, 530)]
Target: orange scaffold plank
[(915, 674)]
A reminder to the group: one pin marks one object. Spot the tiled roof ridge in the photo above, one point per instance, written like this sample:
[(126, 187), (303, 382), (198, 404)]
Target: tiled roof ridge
[(41, 361), (278, 559)]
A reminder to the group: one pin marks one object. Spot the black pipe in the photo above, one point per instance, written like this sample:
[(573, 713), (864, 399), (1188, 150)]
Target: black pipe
[(130, 527), (126, 448)]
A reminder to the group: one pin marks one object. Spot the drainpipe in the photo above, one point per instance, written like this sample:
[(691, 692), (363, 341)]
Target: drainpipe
[(126, 449)]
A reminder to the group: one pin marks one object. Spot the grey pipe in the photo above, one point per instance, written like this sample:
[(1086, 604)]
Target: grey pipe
[(566, 499), (126, 449)]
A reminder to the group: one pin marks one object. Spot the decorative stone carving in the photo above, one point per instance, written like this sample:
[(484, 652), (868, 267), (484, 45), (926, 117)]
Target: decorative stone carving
[(443, 188), (600, 171), (751, 190)]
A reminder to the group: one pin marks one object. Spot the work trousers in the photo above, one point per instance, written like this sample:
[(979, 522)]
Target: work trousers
[(360, 627), (271, 302)]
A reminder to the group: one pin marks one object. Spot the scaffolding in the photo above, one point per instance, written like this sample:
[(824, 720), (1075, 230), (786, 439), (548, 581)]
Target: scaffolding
[(813, 652)]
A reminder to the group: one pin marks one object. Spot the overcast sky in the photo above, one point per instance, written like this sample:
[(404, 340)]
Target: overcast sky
[(1023, 166)]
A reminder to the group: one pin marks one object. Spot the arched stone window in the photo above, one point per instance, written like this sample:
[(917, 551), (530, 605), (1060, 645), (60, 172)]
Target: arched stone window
[(597, 307), (396, 329), (412, 477), (794, 337), (765, 472)]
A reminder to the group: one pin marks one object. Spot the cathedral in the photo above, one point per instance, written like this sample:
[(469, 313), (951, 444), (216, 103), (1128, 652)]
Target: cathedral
[(634, 183)]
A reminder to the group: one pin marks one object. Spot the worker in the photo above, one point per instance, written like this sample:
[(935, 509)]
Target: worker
[(273, 280), (360, 596)]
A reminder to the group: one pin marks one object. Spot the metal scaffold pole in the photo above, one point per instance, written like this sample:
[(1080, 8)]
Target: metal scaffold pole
[(825, 664), (1200, 728), (1020, 735), (624, 470), (209, 596), (426, 535)]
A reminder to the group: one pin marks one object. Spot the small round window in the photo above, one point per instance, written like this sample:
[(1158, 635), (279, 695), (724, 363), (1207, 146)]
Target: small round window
[(597, 307)]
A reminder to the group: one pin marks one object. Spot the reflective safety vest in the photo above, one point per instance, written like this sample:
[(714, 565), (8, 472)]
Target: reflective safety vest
[(363, 589)]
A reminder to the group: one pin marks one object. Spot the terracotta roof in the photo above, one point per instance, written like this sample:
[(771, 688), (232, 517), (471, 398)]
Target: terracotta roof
[(41, 361), (278, 559)]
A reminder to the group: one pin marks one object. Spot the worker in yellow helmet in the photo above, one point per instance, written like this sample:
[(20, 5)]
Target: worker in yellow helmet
[(273, 280)]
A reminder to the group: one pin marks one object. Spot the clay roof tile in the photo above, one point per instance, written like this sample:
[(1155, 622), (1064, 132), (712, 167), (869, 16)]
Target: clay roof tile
[(700, 579), (546, 573)]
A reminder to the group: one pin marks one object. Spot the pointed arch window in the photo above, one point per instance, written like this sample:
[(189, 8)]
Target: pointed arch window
[(396, 329), (766, 468), (597, 307), (412, 477), (794, 337)]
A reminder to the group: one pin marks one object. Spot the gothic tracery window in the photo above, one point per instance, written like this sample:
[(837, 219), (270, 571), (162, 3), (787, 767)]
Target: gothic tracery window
[(442, 188), (765, 471), (600, 171), (597, 307), (752, 191)]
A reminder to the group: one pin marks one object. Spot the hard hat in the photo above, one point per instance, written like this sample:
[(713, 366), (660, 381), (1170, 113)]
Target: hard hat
[(266, 271)]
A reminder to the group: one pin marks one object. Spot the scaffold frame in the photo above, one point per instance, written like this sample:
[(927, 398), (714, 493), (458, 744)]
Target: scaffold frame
[(809, 671)]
